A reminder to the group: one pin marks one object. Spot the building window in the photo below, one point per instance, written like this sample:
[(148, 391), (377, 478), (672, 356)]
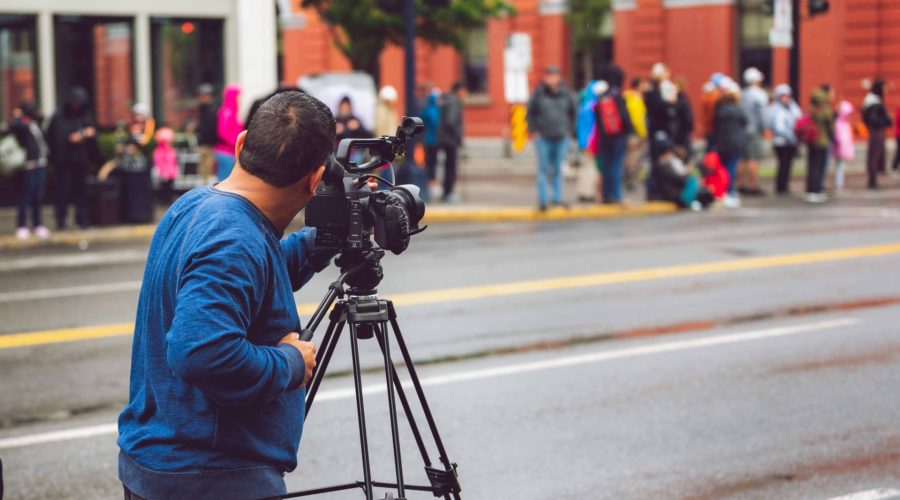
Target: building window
[(475, 60), (755, 24), (18, 63), (186, 54), (98, 55)]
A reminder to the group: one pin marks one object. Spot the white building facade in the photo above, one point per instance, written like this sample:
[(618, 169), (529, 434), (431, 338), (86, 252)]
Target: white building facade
[(154, 52)]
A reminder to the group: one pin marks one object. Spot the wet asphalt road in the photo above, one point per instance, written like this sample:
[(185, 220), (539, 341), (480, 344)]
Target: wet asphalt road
[(773, 382)]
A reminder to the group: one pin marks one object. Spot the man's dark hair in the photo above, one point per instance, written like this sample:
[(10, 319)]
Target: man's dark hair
[(615, 76), (636, 82), (291, 134)]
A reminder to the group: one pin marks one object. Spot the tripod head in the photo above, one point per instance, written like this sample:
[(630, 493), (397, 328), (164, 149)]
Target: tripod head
[(363, 270)]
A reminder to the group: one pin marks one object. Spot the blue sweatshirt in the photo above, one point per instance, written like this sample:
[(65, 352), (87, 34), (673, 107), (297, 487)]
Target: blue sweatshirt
[(215, 409)]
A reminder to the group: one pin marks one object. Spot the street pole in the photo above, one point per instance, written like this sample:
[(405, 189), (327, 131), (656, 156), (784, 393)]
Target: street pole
[(409, 22), (795, 50)]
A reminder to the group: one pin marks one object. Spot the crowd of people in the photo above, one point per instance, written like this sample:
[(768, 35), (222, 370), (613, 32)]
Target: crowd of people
[(647, 131)]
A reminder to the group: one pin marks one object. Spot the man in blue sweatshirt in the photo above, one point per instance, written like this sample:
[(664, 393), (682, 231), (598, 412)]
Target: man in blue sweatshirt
[(216, 403)]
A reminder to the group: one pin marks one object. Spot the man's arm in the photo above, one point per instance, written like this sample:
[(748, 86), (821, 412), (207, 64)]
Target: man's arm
[(207, 345), (303, 259)]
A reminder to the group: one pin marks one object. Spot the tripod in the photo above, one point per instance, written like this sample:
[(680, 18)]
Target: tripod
[(368, 317)]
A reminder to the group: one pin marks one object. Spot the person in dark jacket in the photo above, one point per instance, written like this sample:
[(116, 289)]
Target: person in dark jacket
[(25, 126), (206, 131), (347, 124), (877, 119), (662, 107), (551, 121), (431, 118), (729, 138), (684, 119), (450, 136), (613, 128), (71, 136)]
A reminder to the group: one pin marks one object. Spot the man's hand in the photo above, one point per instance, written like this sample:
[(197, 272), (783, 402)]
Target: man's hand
[(307, 350)]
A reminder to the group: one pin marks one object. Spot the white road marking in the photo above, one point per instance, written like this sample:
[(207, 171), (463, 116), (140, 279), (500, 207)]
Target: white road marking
[(69, 291), (74, 260), (879, 494), (487, 373)]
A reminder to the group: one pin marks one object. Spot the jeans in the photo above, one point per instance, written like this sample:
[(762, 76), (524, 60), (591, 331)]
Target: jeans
[(815, 171), (224, 164), (33, 185), (613, 152), (785, 156), (731, 164), (551, 154), (71, 187)]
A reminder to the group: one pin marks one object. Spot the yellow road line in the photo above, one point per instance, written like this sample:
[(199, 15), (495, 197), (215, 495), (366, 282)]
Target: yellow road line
[(513, 288)]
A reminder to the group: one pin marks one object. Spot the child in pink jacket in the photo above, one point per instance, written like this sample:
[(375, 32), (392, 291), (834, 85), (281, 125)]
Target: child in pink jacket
[(843, 149), (166, 162)]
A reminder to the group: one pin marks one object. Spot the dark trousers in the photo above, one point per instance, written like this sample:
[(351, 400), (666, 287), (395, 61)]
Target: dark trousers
[(815, 171), (71, 187), (875, 162), (129, 495), (612, 152), (896, 165), (431, 157), (449, 168), (32, 192), (785, 155)]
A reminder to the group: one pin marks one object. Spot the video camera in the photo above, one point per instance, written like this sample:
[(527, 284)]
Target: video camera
[(345, 209)]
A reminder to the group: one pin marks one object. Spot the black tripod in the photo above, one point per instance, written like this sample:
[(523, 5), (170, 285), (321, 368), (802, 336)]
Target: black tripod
[(368, 317)]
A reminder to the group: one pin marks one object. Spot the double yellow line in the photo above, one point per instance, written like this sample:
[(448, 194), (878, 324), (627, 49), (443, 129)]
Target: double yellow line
[(510, 289)]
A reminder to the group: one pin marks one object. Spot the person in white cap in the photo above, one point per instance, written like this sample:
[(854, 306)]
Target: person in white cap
[(781, 117), (754, 100), (386, 118), (142, 125)]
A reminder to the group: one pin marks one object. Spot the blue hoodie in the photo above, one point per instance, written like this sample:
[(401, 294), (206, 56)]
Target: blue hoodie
[(586, 117), (215, 407), (431, 116)]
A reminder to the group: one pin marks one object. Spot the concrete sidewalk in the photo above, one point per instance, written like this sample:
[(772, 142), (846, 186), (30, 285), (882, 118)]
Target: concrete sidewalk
[(492, 188)]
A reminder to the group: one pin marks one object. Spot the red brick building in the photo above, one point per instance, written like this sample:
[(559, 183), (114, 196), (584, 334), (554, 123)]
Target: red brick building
[(852, 41)]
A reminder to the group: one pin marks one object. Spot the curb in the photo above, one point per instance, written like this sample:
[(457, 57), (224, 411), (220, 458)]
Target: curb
[(433, 214), (451, 214)]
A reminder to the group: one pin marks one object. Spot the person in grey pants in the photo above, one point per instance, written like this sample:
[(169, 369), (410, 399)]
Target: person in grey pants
[(551, 121), (450, 136)]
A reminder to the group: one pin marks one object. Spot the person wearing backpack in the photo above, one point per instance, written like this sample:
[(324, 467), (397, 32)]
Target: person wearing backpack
[(781, 117), (551, 121), (876, 118), (613, 128), (25, 127), (817, 130)]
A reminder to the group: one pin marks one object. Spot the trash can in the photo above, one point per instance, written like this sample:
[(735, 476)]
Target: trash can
[(103, 202), (136, 196)]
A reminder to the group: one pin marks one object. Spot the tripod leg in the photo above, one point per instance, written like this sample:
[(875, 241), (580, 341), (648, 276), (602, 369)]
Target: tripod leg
[(407, 409), (392, 405), (360, 413), (417, 385), (329, 342)]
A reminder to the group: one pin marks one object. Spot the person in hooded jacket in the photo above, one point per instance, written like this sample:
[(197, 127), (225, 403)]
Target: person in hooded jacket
[(876, 118), (612, 145), (823, 118), (71, 135), (431, 118), (551, 118), (228, 128), (729, 138), (843, 148), (781, 117)]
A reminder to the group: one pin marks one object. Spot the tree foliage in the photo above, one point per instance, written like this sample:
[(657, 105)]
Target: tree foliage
[(586, 19), (361, 29)]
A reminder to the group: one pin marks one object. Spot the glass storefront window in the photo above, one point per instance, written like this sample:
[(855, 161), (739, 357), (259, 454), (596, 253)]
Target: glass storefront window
[(97, 54), (18, 63), (186, 54)]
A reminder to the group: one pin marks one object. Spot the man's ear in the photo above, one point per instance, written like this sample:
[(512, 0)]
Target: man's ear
[(239, 144), (314, 178)]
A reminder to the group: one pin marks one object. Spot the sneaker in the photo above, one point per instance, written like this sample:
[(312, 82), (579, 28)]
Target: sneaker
[(696, 206), (732, 201), (42, 232), (451, 199), (23, 233), (542, 208), (814, 198)]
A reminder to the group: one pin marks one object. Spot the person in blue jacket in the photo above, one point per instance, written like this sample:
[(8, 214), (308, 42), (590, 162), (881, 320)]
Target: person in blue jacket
[(216, 400)]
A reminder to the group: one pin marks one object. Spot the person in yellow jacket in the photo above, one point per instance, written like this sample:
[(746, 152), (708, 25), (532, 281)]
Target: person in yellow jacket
[(637, 143)]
